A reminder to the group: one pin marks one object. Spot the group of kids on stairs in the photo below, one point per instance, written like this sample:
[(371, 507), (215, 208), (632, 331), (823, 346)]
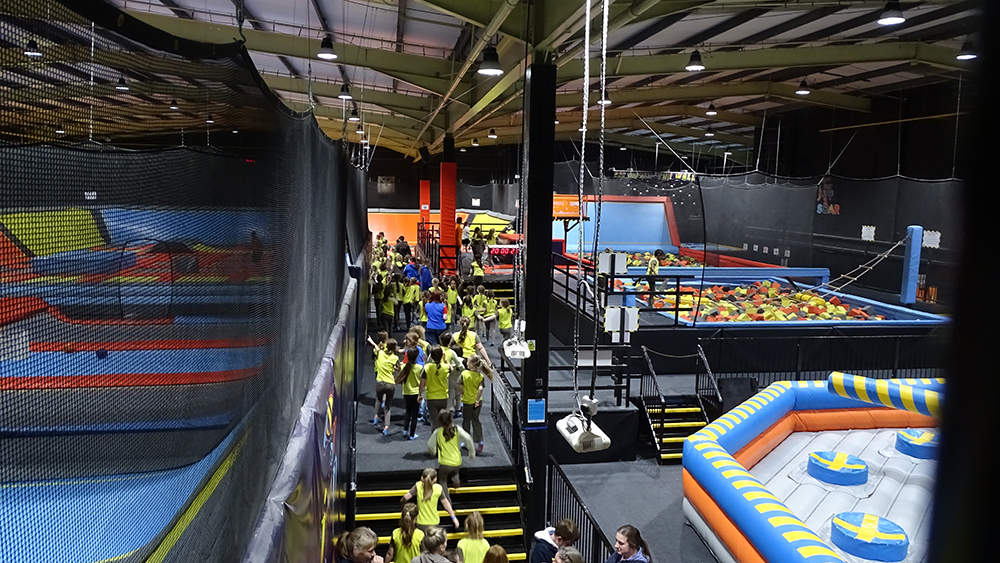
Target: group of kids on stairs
[(416, 540)]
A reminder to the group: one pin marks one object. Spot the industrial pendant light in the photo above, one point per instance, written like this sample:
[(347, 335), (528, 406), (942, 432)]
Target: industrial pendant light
[(968, 51), (492, 134), (475, 142), (711, 110), (364, 139), (605, 99), (209, 120), (803, 89), (892, 15), (345, 92), (491, 62), (122, 86), (694, 63), (60, 130), (709, 133), (360, 129), (461, 149), (326, 50), (31, 50), (173, 105), (354, 116)]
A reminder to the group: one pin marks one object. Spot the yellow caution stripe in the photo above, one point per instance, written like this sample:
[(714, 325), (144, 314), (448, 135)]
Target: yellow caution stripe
[(459, 535), (691, 424), (677, 410), (451, 490), (442, 513)]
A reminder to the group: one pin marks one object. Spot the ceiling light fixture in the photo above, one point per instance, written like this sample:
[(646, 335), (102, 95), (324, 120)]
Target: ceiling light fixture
[(360, 129), (345, 92), (694, 63), (711, 110), (60, 130), (892, 15), (605, 99), (491, 63), (354, 116), (122, 86), (236, 130), (173, 105), (31, 50), (461, 149), (623, 149), (557, 122), (709, 133), (364, 139), (209, 120), (492, 134), (803, 89), (968, 51), (326, 50), (475, 142)]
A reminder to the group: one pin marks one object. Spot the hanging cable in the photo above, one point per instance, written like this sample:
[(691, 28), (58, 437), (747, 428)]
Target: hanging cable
[(600, 196), (582, 208)]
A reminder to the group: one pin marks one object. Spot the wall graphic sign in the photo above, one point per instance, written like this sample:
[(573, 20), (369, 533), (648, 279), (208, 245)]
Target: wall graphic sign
[(824, 197)]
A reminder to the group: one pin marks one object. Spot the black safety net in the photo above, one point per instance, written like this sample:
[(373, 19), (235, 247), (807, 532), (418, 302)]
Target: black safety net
[(174, 256)]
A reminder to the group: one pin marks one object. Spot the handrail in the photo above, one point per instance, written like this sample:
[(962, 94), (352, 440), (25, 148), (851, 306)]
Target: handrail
[(652, 379), (711, 376), (592, 543)]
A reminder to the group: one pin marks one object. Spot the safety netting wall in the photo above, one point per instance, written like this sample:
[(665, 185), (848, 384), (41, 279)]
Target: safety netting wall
[(177, 254)]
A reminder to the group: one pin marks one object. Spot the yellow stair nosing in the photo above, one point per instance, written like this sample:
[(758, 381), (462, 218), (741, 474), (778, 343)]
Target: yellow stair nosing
[(459, 535), (517, 556), (691, 424), (671, 456), (451, 490), (442, 513), (673, 439), (659, 410)]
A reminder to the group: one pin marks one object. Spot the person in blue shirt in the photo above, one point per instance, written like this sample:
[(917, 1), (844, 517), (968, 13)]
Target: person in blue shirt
[(629, 546), (411, 270), (426, 279)]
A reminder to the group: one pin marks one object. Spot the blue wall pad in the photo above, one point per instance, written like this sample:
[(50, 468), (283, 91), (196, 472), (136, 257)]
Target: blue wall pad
[(213, 228), (82, 262), (624, 226)]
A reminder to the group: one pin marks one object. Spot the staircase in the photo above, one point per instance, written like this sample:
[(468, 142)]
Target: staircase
[(671, 419), (491, 491)]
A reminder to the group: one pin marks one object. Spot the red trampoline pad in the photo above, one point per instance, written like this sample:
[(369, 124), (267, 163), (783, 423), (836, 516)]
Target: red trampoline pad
[(15, 309)]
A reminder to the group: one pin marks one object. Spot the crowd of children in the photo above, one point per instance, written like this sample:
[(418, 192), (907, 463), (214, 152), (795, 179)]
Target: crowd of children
[(442, 366)]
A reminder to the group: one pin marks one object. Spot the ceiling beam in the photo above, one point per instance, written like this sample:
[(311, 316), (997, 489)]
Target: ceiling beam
[(629, 123), (715, 91), (411, 107), (428, 73), (480, 13), (506, 8), (576, 116), (840, 55), (384, 141)]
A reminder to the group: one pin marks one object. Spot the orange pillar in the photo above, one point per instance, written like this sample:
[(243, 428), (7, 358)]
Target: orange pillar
[(448, 174), (425, 201)]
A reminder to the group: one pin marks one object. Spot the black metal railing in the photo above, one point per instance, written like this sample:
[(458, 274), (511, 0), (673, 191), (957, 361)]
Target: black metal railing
[(707, 388), (804, 358), (505, 411), (617, 370), (565, 502), (429, 245)]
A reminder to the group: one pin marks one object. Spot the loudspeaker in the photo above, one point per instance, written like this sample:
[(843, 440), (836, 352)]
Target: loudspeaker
[(425, 154), (735, 390)]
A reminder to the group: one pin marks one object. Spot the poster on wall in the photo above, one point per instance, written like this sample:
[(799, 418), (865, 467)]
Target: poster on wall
[(824, 197)]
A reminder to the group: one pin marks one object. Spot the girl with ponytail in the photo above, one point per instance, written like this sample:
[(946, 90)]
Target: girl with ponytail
[(629, 546), (469, 341), (435, 382), (405, 544), (445, 443), (357, 546), (410, 377), (427, 492)]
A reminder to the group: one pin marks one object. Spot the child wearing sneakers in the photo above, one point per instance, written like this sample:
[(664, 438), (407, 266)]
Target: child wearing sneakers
[(386, 366), (472, 398)]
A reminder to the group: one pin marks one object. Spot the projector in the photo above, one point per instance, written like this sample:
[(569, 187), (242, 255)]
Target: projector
[(582, 441)]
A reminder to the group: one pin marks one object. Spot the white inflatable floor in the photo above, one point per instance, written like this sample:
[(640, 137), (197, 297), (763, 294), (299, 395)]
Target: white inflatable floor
[(899, 486)]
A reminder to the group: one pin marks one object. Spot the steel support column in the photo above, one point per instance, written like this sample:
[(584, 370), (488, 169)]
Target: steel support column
[(539, 119)]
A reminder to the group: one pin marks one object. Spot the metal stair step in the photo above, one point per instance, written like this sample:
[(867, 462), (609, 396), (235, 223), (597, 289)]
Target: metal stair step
[(686, 424), (459, 512), (451, 490)]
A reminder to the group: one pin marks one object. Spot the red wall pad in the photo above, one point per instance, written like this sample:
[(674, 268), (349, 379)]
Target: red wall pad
[(448, 174)]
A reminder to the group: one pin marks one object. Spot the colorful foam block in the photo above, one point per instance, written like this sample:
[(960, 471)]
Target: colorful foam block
[(837, 468), (869, 536)]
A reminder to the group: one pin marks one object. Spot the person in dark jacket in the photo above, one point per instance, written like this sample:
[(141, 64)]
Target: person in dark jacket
[(357, 546), (629, 546), (402, 247), (547, 542)]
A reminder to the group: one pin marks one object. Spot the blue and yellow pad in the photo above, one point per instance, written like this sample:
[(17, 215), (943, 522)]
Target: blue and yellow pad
[(868, 536), (920, 444), (837, 468)]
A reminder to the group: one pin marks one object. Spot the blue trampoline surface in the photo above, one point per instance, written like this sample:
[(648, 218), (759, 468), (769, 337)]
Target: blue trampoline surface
[(55, 364), (98, 518)]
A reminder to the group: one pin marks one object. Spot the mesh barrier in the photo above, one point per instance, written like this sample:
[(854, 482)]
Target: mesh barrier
[(174, 252)]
